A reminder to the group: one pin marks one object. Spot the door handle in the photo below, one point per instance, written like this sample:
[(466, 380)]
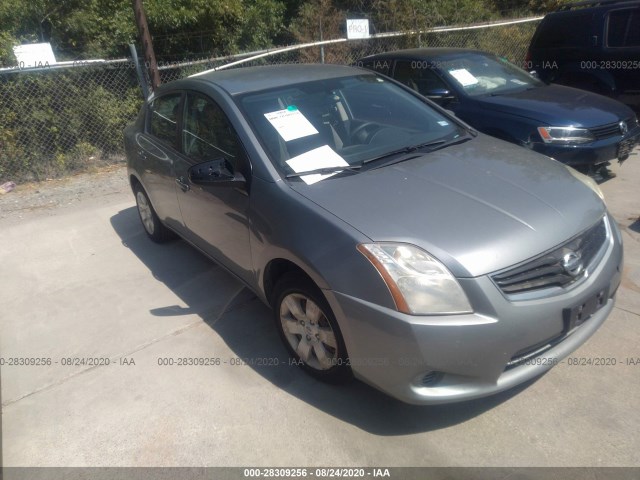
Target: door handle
[(184, 186)]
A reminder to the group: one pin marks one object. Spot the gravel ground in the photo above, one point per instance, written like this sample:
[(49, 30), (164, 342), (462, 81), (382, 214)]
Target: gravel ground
[(44, 198)]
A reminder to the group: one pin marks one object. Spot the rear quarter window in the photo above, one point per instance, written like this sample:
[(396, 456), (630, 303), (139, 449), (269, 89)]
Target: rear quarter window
[(623, 28), (553, 31), (380, 66), (163, 118)]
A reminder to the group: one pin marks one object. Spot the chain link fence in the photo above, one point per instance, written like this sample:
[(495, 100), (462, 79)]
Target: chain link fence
[(508, 39), (56, 121)]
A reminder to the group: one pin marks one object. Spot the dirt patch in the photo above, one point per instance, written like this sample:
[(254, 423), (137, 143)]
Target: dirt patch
[(43, 197)]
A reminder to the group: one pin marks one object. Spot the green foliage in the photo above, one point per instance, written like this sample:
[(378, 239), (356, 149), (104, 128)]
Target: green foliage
[(6, 49), (314, 16), (396, 15), (58, 122), (184, 29), (263, 20), (104, 28), (545, 6), (510, 41), (320, 19)]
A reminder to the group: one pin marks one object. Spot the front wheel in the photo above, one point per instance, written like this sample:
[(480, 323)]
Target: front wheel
[(309, 330)]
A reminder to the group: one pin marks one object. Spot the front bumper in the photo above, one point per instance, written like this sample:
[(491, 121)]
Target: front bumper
[(439, 359), (589, 154)]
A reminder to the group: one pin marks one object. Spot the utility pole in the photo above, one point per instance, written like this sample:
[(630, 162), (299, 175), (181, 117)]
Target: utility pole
[(147, 44)]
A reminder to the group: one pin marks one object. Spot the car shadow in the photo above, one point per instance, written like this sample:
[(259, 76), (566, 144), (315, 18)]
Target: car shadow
[(246, 326), (602, 179)]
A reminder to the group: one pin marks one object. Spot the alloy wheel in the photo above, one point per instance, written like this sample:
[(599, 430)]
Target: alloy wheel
[(308, 331), (146, 214)]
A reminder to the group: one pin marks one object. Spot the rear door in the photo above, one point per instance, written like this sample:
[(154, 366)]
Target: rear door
[(157, 150)]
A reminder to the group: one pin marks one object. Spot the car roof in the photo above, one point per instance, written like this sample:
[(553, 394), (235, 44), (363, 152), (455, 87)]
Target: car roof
[(413, 53), (251, 79), (604, 4)]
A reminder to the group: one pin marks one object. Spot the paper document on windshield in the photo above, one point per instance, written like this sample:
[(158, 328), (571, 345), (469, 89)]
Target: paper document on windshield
[(321, 157), (463, 76), (290, 123)]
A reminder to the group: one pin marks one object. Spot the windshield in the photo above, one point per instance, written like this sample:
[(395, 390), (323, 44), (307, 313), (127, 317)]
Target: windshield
[(480, 74), (341, 122)]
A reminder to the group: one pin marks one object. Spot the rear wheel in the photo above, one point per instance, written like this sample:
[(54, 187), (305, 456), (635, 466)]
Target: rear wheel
[(150, 221), (309, 330)]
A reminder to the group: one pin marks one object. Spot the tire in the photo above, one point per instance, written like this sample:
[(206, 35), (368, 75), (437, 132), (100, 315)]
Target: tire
[(309, 329), (152, 225)]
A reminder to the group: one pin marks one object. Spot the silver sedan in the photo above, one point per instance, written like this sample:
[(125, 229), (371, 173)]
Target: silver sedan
[(393, 242)]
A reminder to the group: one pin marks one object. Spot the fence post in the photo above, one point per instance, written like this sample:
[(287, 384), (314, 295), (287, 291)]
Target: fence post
[(321, 46), (141, 79)]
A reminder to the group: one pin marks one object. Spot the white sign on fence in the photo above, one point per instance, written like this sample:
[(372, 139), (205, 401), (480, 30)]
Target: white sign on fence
[(357, 29), (34, 55)]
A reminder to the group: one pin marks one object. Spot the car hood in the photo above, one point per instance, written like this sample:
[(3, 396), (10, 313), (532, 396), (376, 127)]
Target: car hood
[(479, 207), (557, 105)]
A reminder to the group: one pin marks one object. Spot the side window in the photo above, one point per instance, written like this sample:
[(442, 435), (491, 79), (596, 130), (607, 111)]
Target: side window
[(419, 76), (623, 28), (555, 34), (207, 133), (404, 73), (633, 30), (380, 66), (430, 81), (163, 122)]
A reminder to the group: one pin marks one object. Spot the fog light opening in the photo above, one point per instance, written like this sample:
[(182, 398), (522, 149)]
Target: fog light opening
[(430, 378)]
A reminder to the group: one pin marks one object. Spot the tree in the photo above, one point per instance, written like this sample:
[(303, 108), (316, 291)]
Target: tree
[(316, 19), (104, 28), (544, 6)]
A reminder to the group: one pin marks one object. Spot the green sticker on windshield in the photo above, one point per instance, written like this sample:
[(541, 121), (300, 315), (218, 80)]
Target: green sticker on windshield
[(292, 108)]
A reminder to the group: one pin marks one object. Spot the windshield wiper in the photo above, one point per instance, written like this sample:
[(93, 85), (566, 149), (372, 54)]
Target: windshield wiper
[(453, 141), (498, 94), (430, 146), (324, 171), (410, 149)]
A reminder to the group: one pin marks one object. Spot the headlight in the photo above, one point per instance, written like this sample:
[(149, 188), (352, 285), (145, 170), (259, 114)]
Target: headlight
[(565, 135), (419, 283), (588, 181)]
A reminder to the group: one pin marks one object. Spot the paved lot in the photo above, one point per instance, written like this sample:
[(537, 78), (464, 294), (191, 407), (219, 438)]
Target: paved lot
[(80, 279)]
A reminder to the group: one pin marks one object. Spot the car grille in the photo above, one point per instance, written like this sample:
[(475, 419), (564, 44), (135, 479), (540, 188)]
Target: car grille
[(550, 269), (611, 129)]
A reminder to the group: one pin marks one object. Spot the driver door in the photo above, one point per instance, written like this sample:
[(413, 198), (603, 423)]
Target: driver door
[(215, 214)]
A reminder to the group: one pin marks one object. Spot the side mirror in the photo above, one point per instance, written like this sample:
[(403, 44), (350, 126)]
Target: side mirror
[(439, 95), (215, 172)]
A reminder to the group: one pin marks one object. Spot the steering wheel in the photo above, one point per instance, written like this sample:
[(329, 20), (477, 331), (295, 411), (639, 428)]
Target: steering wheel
[(358, 135)]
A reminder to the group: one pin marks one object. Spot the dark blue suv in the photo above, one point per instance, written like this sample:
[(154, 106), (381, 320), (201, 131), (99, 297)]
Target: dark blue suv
[(579, 128), (600, 52)]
